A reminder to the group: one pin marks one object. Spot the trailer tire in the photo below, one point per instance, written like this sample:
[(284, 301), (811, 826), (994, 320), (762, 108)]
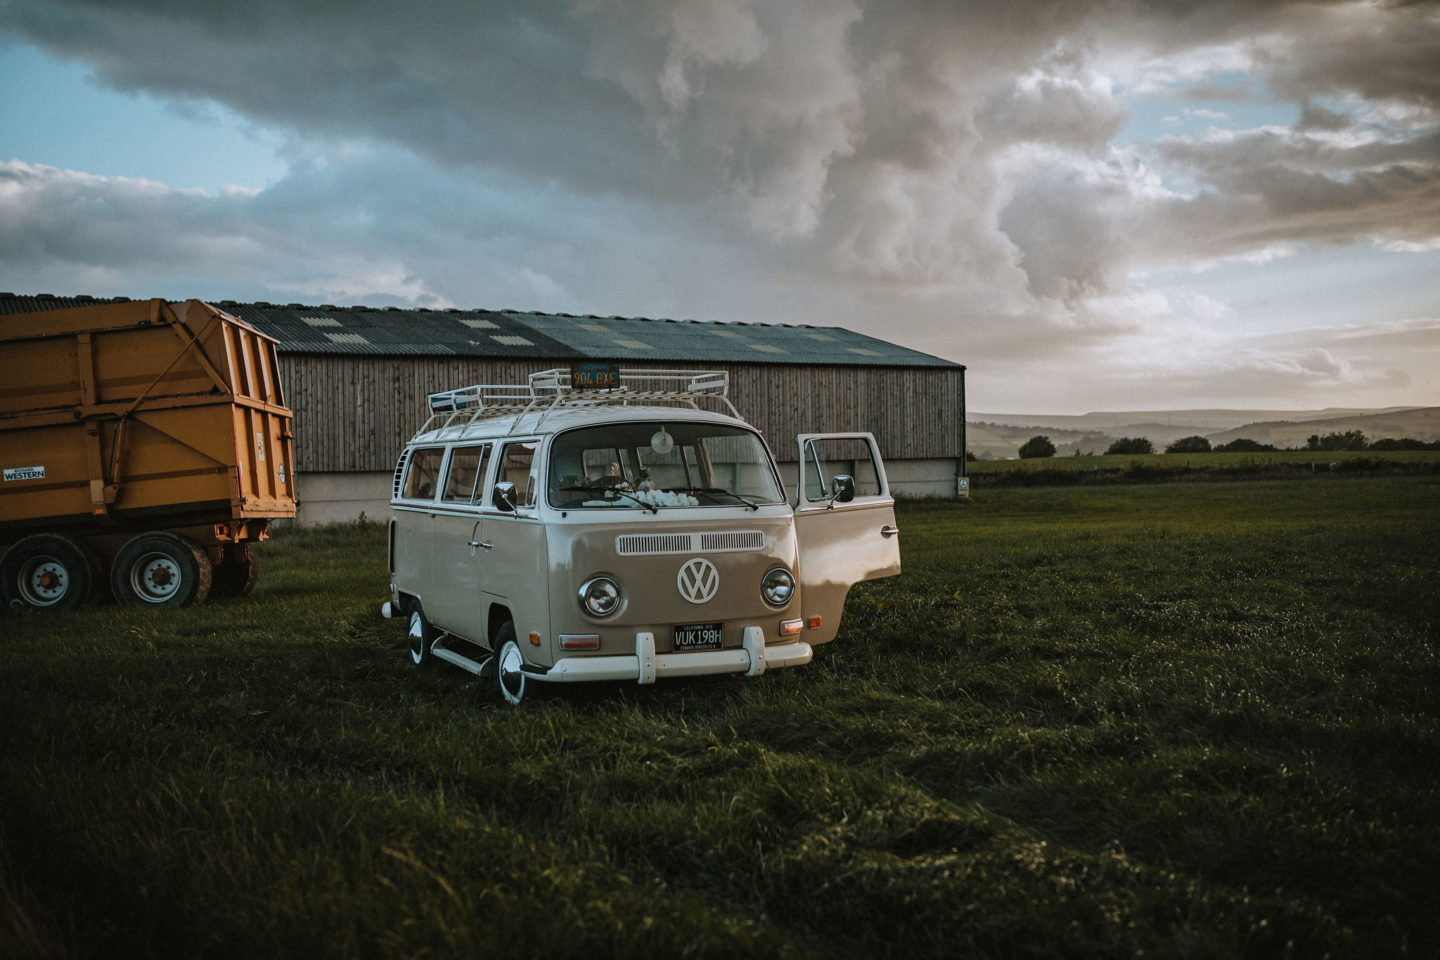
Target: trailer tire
[(47, 572), (235, 574), (161, 569)]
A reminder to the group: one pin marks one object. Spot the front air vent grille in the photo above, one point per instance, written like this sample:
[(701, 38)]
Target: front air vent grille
[(654, 544), (732, 540), (648, 544)]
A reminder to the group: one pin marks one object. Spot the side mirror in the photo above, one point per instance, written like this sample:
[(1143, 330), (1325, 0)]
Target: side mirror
[(504, 496), (842, 489)]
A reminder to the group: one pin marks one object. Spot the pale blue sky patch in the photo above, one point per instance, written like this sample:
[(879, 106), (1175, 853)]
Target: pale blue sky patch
[(1316, 287), (54, 112), (1151, 119)]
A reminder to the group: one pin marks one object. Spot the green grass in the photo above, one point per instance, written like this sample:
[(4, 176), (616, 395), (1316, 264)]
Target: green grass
[(1280, 464), (1178, 719), (1321, 458)]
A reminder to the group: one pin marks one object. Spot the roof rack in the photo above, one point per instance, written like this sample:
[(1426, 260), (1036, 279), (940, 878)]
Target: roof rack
[(551, 390)]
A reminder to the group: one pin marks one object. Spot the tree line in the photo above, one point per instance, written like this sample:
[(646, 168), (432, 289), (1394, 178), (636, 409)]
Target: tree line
[(1041, 446)]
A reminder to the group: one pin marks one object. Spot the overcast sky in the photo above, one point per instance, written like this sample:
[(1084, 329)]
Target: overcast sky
[(1093, 205)]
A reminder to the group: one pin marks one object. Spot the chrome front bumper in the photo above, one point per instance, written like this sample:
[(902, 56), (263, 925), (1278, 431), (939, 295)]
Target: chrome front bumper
[(752, 658)]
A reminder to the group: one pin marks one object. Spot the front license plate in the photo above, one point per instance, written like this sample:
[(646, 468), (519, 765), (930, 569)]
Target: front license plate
[(698, 636)]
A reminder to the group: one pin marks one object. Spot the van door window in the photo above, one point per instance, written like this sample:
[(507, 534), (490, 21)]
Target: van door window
[(423, 474), (830, 456), (516, 462), (467, 466)]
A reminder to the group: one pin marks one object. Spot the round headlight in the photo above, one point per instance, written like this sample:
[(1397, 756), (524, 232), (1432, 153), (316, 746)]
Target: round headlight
[(600, 596), (777, 586)]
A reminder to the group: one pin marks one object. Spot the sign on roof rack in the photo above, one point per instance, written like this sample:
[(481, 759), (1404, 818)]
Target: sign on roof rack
[(595, 376)]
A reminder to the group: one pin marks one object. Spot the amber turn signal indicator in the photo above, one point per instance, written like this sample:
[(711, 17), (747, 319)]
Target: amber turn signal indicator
[(579, 641)]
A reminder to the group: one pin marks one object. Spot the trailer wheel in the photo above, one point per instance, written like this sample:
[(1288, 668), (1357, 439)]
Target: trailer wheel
[(235, 574), (510, 680), (47, 572), (161, 569)]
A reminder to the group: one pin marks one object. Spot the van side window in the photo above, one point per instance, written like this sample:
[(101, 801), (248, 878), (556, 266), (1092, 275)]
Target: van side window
[(467, 465), (827, 458), (515, 466), (423, 473)]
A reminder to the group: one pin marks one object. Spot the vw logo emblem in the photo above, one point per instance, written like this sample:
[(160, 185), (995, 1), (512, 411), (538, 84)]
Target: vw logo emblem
[(698, 580)]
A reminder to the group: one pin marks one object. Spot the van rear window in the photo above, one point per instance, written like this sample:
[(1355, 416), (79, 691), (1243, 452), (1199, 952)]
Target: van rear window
[(423, 473)]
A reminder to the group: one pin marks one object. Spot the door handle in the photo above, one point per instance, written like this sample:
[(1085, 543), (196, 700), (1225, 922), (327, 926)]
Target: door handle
[(889, 530)]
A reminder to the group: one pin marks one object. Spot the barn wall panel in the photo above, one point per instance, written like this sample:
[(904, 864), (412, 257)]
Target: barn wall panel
[(355, 412)]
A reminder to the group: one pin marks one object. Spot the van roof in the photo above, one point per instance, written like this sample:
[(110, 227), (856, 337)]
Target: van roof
[(530, 424)]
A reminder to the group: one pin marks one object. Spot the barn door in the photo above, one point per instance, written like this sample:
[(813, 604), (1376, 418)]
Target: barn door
[(843, 539)]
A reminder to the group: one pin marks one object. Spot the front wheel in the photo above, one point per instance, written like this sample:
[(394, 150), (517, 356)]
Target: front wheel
[(161, 569), (420, 636), (509, 677)]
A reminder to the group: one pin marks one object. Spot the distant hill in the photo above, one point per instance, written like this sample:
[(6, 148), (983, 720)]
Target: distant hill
[(999, 435), (1201, 420), (990, 444), (1419, 423)]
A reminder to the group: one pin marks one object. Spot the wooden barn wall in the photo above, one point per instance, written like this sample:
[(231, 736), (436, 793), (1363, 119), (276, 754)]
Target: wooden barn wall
[(355, 413)]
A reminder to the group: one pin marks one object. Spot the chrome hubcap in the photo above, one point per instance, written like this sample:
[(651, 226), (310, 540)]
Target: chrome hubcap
[(512, 679)]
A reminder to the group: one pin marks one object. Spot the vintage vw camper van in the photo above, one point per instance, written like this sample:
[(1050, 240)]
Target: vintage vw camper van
[(608, 524)]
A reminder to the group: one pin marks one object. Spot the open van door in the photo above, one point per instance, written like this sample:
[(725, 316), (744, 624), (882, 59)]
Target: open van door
[(844, 522)]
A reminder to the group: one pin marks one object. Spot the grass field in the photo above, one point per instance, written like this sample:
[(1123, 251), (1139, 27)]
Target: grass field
[(1183, 720), (1150, 467)]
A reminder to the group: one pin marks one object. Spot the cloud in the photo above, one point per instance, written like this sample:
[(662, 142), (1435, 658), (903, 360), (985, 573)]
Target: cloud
[(1411, 333), (1378, 54), (68, 217), (872, 137), (1187, 363), (940, 174), (1310, 372), (376, 227), (1277, 187), (138, 237)]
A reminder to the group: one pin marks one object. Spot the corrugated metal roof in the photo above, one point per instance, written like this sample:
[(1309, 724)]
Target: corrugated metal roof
[(393, 331), (28, 303)]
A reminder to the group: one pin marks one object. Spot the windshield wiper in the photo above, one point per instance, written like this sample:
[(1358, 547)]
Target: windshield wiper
[(726, 493), (605, 491), (630, 496)]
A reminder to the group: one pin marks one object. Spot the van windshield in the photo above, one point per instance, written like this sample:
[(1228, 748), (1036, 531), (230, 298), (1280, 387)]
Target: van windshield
[(656, 465)]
